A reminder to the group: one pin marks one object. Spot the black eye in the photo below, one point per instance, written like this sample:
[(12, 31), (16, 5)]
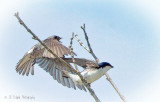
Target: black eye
[(55, 37)]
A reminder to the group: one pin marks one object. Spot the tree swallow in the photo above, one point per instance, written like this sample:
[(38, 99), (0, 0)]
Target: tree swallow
[(92, 70), (60, 72)]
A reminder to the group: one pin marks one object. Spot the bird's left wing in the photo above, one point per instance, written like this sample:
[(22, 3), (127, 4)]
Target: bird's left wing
[(55, 67), (26, 64)]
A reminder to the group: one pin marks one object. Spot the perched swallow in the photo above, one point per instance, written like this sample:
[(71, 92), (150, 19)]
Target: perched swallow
[(92, 70)]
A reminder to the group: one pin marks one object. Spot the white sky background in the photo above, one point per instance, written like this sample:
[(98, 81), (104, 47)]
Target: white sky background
[(124, 33)]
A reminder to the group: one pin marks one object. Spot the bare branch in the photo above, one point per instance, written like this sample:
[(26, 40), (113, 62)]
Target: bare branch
[(91, 51), (72, 55), (114, 86), (80, 42), (97, 60), (65, 63)]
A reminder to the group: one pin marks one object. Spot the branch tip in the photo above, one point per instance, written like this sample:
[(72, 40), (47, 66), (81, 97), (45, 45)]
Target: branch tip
[(16, 14), (97, 60)]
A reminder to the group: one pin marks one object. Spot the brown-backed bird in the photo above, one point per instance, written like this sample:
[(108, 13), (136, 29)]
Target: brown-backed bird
[(39, 55)]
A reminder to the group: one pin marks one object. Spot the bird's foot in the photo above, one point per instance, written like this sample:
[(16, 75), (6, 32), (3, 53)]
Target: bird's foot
[(87, 83)]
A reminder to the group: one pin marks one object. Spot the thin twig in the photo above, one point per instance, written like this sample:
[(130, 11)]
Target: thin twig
[(80, 42), (97, 60), (114, 86), (91, 51), (71, 51), (65, 63)]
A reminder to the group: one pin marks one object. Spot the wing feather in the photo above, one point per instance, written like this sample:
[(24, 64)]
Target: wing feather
[(32, 70), (55, 71), (72, 83), (85, 63), (27, 72), (61, 78), (67, 83), (28, 69), (48, 67), (41, 62), (45, 62), (22, 67), (28, 65)]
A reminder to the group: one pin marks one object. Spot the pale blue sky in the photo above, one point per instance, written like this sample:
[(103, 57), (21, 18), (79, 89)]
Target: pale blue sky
[(124, 33)]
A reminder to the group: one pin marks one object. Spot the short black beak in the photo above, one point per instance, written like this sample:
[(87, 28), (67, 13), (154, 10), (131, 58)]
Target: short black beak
[(111, 66)]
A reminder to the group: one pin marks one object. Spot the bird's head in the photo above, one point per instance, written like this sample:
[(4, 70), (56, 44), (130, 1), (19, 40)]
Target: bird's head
[(104, 64), (54, 37), (57, 37)]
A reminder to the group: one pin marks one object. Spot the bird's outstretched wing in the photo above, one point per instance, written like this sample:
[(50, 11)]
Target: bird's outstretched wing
[(38, 54), (85, 63), (26, 64), (55, 68)]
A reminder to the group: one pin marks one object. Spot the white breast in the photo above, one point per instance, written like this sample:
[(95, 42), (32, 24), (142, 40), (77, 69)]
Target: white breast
[(92, 75)]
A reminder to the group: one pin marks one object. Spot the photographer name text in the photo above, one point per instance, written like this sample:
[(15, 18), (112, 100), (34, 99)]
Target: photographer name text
[(19, 97)]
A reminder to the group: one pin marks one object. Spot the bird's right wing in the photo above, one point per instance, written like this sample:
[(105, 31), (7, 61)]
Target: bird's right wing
[(85, 63)]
